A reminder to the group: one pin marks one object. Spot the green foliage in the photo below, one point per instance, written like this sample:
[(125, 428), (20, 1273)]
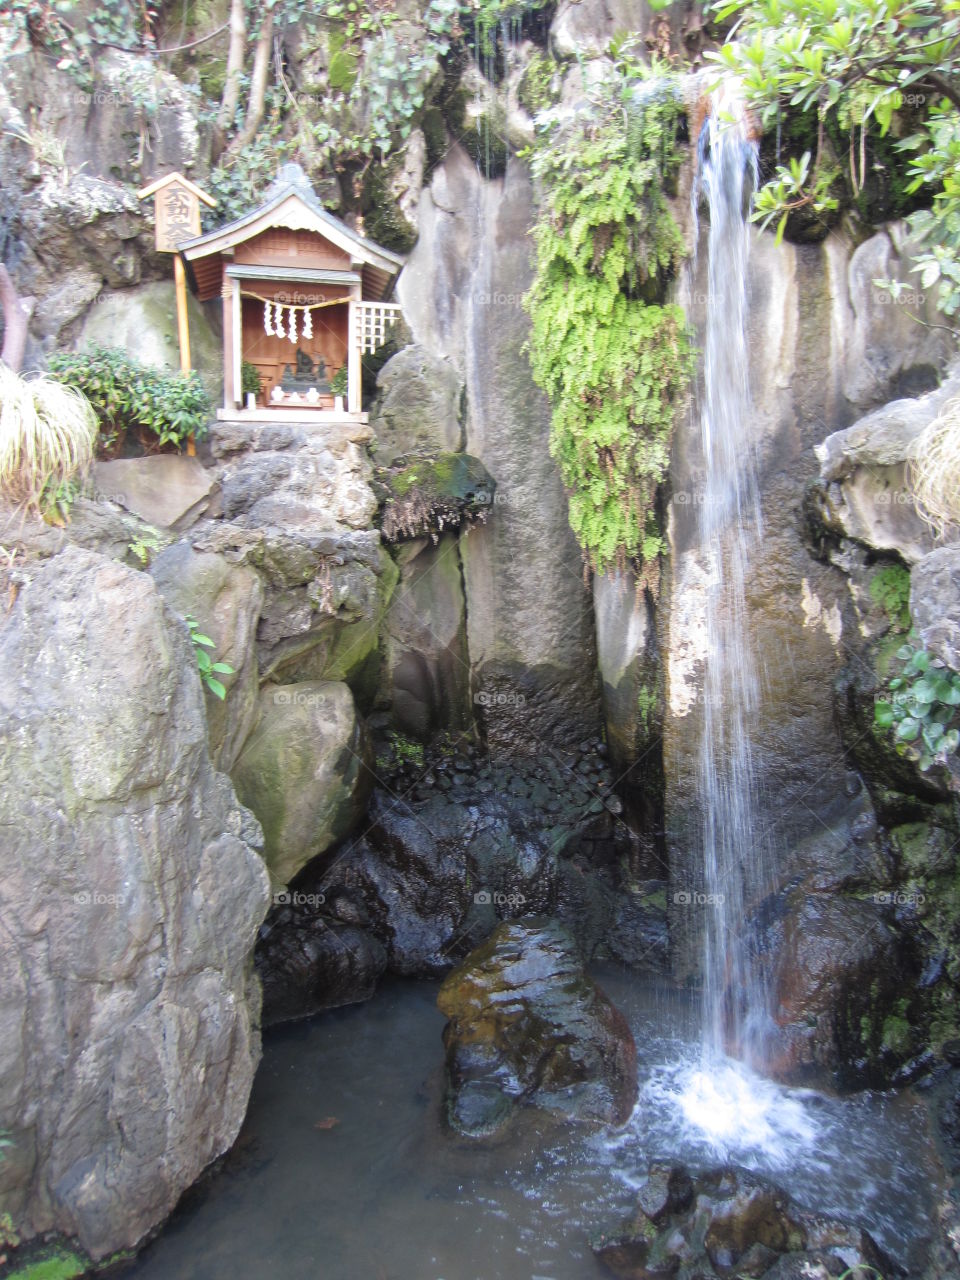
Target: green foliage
[(239, 182), (921, 707), (146, 543), (250, 380), (165, 407), (209, 670), (866, 67), (539, 86), (890, 589), (338, 383), (56, 500), (613, 360)]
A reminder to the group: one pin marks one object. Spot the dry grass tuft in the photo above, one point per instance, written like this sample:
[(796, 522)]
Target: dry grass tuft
[(47, 435)]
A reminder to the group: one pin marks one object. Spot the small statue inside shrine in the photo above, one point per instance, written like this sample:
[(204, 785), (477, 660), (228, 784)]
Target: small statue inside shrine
[(306, 375)]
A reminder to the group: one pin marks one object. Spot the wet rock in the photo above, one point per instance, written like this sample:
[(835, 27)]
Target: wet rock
[(303, 771), (639, 935), (729, 1221), (131, 897), (308, 960), (837, 970), (437, 874), (527, 1027), (418, 407)]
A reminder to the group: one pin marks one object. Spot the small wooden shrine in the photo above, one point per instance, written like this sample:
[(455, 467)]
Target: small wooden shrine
[(304, 296)]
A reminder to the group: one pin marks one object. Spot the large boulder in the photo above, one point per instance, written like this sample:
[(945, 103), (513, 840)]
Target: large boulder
[(324, 599), (840, 975), (304, 771), (418, 410), (863, 491), (225, 599), (143, 321), (130, 896), (527, 1027)]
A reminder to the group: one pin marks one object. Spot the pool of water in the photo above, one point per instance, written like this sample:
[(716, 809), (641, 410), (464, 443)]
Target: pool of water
[(342, 1170)]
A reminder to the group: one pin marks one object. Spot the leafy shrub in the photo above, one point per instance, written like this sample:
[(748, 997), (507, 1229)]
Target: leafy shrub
[(921, 708), (250, 380), (613, 360), (47, 436), (160, 406)]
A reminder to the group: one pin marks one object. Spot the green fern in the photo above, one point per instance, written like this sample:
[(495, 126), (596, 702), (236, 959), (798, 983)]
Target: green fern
[(613, 359)]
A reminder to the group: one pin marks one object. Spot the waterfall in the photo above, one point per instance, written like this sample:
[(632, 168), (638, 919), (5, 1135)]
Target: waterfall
[(731, 833)]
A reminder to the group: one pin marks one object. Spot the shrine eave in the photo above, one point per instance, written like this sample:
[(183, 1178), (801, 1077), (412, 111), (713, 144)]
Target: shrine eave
[(298, 275)]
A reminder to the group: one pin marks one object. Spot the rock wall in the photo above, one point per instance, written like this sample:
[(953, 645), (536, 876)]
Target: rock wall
[(131, 890), (815, 313), (528, 613)]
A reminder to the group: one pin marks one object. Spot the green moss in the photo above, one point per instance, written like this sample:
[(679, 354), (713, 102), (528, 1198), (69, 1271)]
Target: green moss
[(383, 221), (342, 67), (614, 361), (896, 1036), (890, 590), (646, 707), (432, 495), (62, 1265)]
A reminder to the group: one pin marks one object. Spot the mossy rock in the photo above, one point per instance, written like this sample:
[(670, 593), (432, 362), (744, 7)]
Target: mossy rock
[(383, 221), (485, 144), (436, 494), (58, 1264)]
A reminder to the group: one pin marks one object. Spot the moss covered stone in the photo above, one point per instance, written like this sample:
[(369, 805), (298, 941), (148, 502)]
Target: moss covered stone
[(436, 494)]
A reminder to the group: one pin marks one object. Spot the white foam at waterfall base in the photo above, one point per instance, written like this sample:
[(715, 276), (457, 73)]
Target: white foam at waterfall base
[(719, 1110)]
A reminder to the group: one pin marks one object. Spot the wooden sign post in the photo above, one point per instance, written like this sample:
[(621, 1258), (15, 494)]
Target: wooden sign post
[(176, 206)]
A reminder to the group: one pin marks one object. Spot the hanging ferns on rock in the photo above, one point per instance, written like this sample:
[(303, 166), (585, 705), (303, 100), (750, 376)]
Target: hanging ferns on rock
[(613, 359)]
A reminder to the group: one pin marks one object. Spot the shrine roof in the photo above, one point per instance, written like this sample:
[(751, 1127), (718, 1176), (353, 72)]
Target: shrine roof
[(291, 203)]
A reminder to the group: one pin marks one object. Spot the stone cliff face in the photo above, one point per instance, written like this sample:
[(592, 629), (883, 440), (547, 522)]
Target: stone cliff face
[(131, 890)]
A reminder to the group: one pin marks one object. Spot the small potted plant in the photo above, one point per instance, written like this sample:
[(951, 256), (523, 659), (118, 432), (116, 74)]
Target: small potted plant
[(250, 383), (338, 385)]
